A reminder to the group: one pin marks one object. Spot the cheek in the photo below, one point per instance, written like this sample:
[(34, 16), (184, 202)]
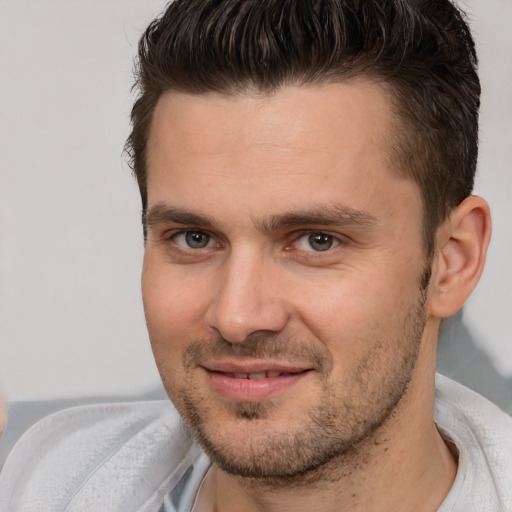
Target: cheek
[(174, 306), (354, 310)]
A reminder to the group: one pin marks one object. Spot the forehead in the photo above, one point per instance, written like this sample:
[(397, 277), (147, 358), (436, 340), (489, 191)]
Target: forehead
[(312, 117), (328, 142)]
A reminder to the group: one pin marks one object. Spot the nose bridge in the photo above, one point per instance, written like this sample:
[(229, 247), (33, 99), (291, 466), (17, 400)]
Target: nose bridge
[(247, 299)]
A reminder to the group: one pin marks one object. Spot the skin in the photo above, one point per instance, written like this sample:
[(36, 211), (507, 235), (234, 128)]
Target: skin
[(233, 283)]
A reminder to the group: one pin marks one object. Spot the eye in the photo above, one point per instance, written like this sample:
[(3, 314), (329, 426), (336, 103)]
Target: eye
[(317, 242), (193, 240)]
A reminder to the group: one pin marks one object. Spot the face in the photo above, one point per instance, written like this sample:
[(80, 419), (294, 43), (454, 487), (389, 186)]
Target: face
[(282, 273)]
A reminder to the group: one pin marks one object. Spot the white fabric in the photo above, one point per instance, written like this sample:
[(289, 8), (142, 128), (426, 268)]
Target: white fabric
[(139, 458), (482, 434)]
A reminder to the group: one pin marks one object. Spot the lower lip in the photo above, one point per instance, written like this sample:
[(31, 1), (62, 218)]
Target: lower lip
[(247, 390)]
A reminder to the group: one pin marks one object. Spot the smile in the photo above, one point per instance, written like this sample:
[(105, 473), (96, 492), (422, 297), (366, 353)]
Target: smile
[(253, 384), (258, 375)]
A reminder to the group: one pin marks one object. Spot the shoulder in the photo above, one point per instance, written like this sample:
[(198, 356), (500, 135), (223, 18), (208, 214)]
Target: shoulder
[(472, 414), (114, 456), (483, 435)]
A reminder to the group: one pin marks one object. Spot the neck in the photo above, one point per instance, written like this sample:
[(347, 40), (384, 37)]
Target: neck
[(404, 466)]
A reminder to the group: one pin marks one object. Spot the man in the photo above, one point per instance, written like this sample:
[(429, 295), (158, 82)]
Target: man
[(305, 171)]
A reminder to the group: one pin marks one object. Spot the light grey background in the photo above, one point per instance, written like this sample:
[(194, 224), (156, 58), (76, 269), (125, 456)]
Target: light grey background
[(71, 321)]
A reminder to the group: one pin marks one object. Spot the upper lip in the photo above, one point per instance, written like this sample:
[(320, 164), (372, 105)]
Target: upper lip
[(254, 366)]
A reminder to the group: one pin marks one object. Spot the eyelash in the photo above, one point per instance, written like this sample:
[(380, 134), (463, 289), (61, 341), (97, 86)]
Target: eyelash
[(334, 239), (176, 234), (337, 240)]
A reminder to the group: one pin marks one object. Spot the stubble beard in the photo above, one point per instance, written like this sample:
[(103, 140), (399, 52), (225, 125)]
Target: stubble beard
[(331, 442)]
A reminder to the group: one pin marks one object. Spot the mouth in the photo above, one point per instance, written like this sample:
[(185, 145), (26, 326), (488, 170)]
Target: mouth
[(270, 374), (253, 382)]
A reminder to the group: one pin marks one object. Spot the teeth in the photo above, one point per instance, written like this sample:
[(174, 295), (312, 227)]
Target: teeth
[(257, 376)]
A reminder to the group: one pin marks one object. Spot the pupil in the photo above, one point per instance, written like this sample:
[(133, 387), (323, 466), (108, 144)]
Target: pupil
[(197, 240), (320, 242)]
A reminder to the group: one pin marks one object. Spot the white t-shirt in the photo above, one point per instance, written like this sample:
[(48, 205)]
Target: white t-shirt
[(138, 457)]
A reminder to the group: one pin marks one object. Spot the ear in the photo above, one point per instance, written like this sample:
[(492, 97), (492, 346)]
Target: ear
[(461, 248)]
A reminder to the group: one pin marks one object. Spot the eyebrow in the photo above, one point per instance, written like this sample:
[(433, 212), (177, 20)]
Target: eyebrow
[(164, 214), (337, 215)]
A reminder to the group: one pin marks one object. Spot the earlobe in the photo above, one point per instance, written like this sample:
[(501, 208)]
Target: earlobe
[(461, 249)]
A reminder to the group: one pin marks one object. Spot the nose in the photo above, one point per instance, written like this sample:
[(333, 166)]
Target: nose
[(248, 299)]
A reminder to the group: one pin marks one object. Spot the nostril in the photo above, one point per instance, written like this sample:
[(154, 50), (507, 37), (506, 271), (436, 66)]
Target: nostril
[(246, 301)]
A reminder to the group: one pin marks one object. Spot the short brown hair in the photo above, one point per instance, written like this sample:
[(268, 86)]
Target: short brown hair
[(421, 50)]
